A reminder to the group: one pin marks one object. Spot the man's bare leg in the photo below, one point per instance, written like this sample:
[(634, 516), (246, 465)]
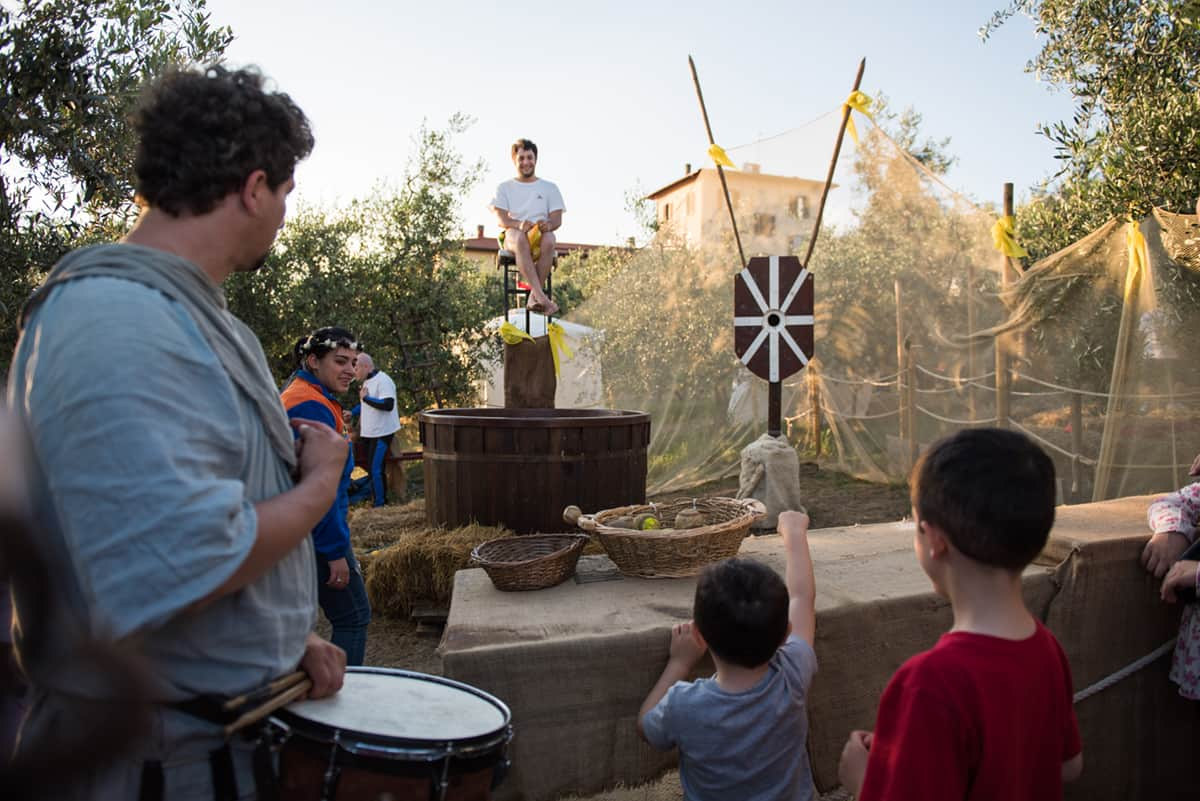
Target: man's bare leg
[(545, 258), (518, 242)]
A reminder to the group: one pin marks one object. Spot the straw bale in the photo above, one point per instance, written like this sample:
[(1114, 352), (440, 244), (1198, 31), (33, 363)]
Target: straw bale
[(420, 566), (373, 527)]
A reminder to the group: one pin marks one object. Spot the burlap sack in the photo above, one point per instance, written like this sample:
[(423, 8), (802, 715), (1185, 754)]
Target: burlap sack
[(771, 474), (529, 380)]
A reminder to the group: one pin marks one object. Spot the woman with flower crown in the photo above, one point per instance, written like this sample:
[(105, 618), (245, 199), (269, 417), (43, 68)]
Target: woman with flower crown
[(325, 367)]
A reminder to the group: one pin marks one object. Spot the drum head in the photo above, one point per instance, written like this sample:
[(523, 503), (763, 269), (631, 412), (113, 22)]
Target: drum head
[(402, 705)]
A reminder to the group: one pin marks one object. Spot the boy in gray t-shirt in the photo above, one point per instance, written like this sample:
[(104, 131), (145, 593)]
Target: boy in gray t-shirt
[(742, 733)]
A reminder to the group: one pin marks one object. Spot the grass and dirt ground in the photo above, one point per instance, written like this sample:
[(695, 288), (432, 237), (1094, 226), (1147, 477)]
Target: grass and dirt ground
[(832, 500)]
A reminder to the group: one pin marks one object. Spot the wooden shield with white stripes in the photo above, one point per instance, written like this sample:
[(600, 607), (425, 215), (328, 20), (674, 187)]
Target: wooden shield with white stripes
[(773, 316)]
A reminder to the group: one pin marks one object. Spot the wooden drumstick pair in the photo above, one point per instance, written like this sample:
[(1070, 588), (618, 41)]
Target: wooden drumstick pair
[(278, 693)]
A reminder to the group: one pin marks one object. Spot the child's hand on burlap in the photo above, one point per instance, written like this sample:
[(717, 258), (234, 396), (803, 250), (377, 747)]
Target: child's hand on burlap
[(687, 646), (1181, 576), (852, 767)]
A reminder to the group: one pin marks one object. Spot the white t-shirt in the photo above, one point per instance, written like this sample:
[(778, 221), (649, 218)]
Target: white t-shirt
[(374, 422), (530, 202)]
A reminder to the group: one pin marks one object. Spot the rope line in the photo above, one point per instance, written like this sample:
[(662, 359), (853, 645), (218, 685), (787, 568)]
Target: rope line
[(886, 380), (928, 413), (953, 379), (1083, 459), (920, 391), (834, 413), (1090, 393), (1036, 394), (1125, 672)]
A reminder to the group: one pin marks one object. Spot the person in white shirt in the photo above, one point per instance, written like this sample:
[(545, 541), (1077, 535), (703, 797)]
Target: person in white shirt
[(521, 204), (378, 420)]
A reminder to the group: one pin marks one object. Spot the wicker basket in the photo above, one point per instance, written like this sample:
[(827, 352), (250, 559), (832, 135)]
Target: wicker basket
[(530, 562), (672, 553)]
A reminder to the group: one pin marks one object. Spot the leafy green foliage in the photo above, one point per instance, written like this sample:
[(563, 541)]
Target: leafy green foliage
[(1133, 143), (391, 269), (70, 72)]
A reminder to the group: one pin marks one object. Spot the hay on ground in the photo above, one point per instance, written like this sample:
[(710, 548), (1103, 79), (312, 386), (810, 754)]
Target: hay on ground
[(420, 566)]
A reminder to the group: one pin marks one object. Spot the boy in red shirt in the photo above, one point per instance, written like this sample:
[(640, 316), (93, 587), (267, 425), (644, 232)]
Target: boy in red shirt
[(987, 713)]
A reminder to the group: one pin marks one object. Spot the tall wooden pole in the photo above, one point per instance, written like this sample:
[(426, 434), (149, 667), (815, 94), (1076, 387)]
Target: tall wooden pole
[(972, 362), (720, 171), (1003, 377), (1076, 446), (901, 373), (837, 149)]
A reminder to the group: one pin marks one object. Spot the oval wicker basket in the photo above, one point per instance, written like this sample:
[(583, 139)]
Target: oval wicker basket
[(529, 562), (673, 553)]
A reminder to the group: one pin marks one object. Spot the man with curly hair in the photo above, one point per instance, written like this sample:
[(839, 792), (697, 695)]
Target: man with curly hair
[(168, 491)]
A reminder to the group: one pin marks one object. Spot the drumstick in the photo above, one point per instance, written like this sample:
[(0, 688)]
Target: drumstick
[(260, 712), (266, 691)]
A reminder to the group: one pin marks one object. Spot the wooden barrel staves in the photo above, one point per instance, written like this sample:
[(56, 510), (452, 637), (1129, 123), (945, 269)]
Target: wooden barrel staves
[(520, 467)]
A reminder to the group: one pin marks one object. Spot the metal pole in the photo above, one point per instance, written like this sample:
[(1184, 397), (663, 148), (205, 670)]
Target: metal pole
[(837, 149), (720, 172)]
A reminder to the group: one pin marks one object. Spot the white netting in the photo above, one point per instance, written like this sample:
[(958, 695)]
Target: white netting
[(909, 305)]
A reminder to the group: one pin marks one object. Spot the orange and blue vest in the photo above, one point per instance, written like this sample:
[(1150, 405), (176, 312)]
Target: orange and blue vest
[(305, 398)]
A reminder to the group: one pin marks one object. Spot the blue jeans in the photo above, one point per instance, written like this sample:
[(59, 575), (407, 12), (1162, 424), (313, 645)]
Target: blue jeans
[(347, 609), (375, 485)]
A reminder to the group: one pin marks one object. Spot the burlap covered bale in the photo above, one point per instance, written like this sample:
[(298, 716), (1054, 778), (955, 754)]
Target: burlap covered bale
[(420, 567), (771, 474), (529, 379)]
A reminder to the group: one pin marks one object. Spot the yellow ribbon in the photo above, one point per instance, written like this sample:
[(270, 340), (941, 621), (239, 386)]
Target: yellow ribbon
[(719, 156), (535, 241), (857, 101), (1136, 245), (558, 342), (511, 334), (1005, 241)]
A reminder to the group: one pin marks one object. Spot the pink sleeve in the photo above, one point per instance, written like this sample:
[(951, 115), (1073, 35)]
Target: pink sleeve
[(1177, 511)]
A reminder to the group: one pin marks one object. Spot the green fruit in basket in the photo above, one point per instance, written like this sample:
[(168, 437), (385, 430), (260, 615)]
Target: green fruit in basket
[(645, 522)]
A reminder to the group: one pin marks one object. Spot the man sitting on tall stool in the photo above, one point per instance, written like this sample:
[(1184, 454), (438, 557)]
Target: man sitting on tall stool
[(521, 204)]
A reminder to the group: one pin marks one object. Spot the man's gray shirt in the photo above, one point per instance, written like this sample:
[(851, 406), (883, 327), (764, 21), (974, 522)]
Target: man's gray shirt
[(749, 745), (149, 463)]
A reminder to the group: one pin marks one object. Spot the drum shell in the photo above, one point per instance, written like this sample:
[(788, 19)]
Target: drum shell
[(371, 767), (302, 767)]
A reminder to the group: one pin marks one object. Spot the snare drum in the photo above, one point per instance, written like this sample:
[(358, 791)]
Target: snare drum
[(393, 735)]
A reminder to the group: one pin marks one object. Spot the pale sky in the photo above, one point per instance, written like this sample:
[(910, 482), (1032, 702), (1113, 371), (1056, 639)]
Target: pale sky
[(604, 88)]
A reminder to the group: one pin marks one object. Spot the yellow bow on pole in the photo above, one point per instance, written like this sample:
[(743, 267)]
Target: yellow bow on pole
[(857, 101), (512, 335), (719, 156), (558, 342), (1004, 238)]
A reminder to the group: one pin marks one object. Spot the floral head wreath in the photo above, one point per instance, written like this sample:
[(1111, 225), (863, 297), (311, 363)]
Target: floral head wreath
[(328, 343)]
